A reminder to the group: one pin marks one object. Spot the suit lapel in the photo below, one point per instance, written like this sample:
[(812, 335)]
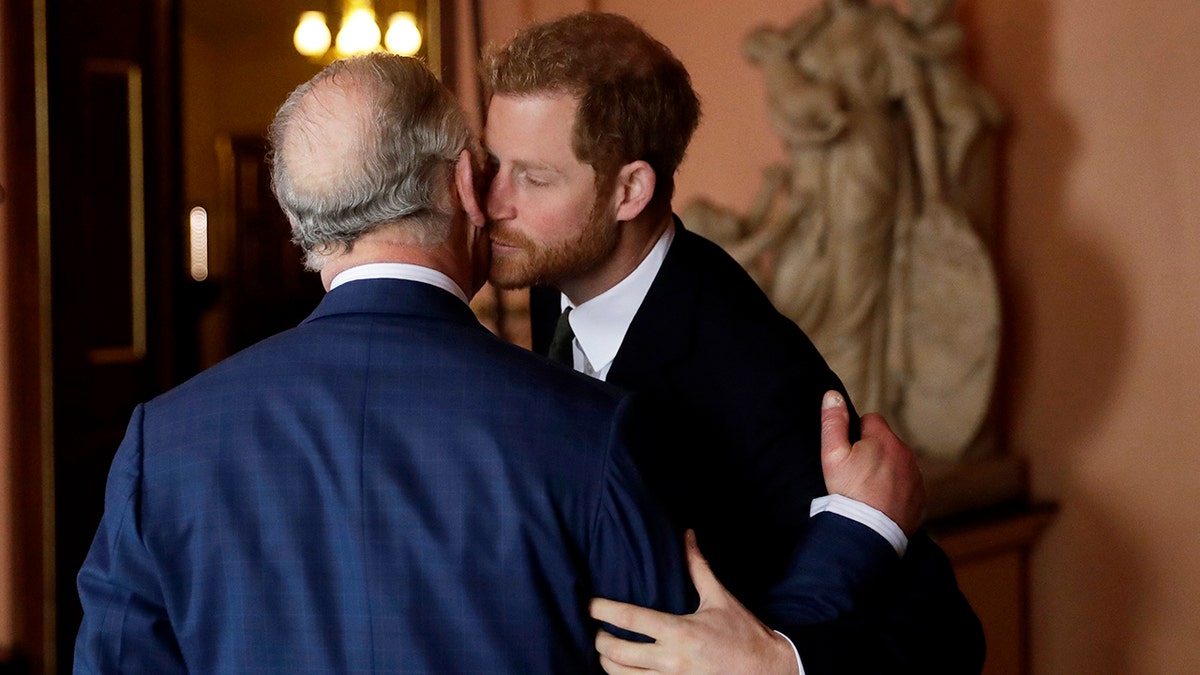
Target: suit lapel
[(662, 330)]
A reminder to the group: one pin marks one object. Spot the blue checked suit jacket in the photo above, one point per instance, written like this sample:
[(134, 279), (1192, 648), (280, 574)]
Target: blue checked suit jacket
[(385, 488)]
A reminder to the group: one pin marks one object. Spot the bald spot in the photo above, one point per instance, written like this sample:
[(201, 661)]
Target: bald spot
[(324, 144)]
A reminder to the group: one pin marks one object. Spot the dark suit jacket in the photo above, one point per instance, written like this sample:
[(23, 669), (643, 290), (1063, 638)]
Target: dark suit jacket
[(741, 387), (385, 488)]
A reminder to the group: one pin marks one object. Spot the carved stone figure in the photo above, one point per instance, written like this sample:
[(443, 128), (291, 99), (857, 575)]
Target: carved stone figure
[(967, 114), (855, 237), (965, 110)]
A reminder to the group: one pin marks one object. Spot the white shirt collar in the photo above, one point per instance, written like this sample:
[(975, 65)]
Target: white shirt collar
[(405, 271), (600, 324)]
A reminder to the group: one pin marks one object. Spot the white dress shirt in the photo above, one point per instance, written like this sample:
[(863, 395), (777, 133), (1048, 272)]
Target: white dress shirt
[(600, 324)]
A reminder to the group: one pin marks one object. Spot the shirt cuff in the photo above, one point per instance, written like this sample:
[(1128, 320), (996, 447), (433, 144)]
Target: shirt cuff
[(861, 513), (799, 663)]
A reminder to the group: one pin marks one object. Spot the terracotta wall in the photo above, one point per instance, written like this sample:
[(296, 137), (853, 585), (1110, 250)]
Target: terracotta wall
[(7, 561), (1102, 234), (1100, 238)]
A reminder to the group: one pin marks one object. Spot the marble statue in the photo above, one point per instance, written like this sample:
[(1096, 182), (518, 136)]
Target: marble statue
[(864, 235)]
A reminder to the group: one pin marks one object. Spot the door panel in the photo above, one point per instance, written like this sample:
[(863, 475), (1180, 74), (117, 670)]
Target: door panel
[(115, 243)]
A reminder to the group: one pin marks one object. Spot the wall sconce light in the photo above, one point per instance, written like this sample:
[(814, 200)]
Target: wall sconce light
[(359, 33)]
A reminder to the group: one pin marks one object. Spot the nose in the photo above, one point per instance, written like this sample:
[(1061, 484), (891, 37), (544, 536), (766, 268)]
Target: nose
[(499, 199)]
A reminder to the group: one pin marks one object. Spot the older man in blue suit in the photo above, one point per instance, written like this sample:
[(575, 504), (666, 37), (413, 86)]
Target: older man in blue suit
[(386, 487)]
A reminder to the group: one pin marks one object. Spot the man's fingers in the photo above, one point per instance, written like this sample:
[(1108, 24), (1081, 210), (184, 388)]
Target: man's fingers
[(710, 590), (875, 426), (895, 486), (835, 428), (622, 656), (648, 622), (877, 434)]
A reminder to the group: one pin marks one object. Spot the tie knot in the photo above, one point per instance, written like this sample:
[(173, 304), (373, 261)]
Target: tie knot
[(561, 345)]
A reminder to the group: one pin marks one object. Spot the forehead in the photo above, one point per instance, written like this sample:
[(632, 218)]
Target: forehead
[(519, 125)]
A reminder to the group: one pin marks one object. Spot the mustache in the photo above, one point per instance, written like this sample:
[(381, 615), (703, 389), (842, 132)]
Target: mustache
[(508, 235)]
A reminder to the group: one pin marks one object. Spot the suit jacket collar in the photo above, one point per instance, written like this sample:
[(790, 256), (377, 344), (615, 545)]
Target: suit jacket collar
[(662, 331), (395, 297)]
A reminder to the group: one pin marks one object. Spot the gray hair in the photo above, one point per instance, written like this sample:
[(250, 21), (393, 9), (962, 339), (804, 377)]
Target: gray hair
[(392, 162)]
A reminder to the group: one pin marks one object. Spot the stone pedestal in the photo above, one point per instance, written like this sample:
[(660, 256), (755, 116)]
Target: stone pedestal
[(990, 552)]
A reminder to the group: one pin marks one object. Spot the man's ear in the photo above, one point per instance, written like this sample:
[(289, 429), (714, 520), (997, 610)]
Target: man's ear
[(464, 181), (633, 190)]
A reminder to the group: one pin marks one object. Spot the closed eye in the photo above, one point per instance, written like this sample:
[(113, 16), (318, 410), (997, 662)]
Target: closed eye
[(534, 179)]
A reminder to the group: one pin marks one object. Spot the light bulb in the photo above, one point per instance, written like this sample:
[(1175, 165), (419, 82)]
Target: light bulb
[(403, 37), (359, 33), (312, 35)]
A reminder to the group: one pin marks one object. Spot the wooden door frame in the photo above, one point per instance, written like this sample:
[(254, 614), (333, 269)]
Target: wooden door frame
[(27, 301)]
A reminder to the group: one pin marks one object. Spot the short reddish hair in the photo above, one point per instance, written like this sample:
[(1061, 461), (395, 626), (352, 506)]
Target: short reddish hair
[(636, 100)]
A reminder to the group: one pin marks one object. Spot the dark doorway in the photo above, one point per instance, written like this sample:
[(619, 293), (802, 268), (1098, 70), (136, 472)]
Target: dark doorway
[(268, 290), (120, 333)]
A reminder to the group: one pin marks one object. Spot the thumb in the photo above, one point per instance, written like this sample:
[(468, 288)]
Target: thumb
[(835, 429), (708, 587)]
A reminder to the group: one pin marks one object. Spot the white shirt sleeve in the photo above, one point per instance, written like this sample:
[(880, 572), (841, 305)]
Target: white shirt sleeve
[(861, 513)]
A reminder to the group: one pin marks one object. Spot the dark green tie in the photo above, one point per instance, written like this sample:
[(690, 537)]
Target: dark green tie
[(561, 348)]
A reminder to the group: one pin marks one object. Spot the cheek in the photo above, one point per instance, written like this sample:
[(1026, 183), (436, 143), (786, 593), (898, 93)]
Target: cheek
[(555, 220)]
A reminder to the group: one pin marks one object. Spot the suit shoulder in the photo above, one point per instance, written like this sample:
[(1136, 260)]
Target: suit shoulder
[(270, 355), (719, 281), (730, 306)]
